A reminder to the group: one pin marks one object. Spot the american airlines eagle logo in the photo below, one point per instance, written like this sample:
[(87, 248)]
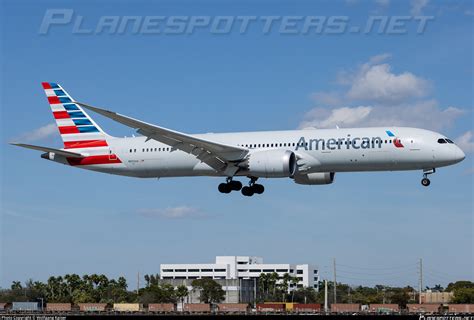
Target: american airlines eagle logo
[(396, 142)]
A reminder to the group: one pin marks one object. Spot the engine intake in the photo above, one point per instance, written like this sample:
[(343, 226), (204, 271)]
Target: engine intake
[(315, 178), (271, 163)]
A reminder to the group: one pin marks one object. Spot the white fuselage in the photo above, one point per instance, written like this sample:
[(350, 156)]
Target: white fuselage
[(318, 150)]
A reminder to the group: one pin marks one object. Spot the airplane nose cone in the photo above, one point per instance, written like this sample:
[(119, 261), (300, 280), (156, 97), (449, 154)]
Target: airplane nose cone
[(459, 155)]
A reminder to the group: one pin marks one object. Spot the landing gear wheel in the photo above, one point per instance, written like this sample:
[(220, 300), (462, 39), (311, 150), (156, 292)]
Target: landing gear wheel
[(247, 191), (224, 188), (235, 185), (258, 188), (425, 182)]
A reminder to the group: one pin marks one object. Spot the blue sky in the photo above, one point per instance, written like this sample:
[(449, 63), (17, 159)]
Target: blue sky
[(57, 220)]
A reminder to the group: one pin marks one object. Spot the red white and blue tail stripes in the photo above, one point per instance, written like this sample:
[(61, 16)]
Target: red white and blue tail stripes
[(73, 122), (77, 129)]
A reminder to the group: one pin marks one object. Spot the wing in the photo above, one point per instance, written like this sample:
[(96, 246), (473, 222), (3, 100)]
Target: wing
[(218, 156), (47, 149)]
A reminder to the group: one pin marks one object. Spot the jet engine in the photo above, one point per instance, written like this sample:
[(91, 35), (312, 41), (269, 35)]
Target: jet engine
[(271, 163), (315, 178)]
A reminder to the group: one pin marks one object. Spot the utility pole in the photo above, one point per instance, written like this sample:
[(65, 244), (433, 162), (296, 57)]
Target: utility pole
[(421, 280), (335, 294), (138, 282), (325, 296)]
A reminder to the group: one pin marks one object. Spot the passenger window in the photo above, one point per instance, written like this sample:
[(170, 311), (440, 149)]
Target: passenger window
[(449, 141), (441, 141)]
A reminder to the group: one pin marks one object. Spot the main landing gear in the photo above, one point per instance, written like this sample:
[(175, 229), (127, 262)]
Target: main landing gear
[(230, 185), (253, 188), (425, 181), (248, 191)]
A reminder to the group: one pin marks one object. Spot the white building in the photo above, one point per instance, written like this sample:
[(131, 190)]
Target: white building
[(241, 267)]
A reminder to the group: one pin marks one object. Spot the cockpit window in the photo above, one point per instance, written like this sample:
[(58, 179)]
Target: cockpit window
[(449, 141), (441, 141)]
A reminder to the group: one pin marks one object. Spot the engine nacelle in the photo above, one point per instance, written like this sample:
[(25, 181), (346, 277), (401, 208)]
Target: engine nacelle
[(315, 178), (271, 163)]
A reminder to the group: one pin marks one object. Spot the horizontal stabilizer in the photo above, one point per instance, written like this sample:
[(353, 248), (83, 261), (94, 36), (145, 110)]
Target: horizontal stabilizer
[(46, 149)]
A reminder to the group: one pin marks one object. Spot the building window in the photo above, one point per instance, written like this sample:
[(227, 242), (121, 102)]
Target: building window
[(242, 270), (242, 262), (315, 271), (167, 277), (193, 270), (206, 270), (255, 270), (300, 278), (268, 270), (167, 270), (299, 271), (179, 270), (281, 270), (219, 270), (180, 278), (315, 278)]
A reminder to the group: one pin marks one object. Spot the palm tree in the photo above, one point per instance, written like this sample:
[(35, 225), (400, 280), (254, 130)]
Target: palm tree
[(294, 283), (16, 285), (181, 293)]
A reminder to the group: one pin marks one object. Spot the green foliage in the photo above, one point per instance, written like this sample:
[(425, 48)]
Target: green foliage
[(71, 288), (463, 295), (305, 295), (209, 290), (464, 284), (182, 292)]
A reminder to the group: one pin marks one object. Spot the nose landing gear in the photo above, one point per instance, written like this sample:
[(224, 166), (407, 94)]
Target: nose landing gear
[(425, 181)]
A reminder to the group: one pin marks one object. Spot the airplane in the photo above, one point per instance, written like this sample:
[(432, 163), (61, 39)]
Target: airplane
[(309, 156)]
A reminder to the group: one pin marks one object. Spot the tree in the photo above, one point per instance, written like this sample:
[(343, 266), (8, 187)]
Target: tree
[(305, 295), (182, 292), (460, 284), (16, 285), (209, 290), (400, 296), (463, 295)]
